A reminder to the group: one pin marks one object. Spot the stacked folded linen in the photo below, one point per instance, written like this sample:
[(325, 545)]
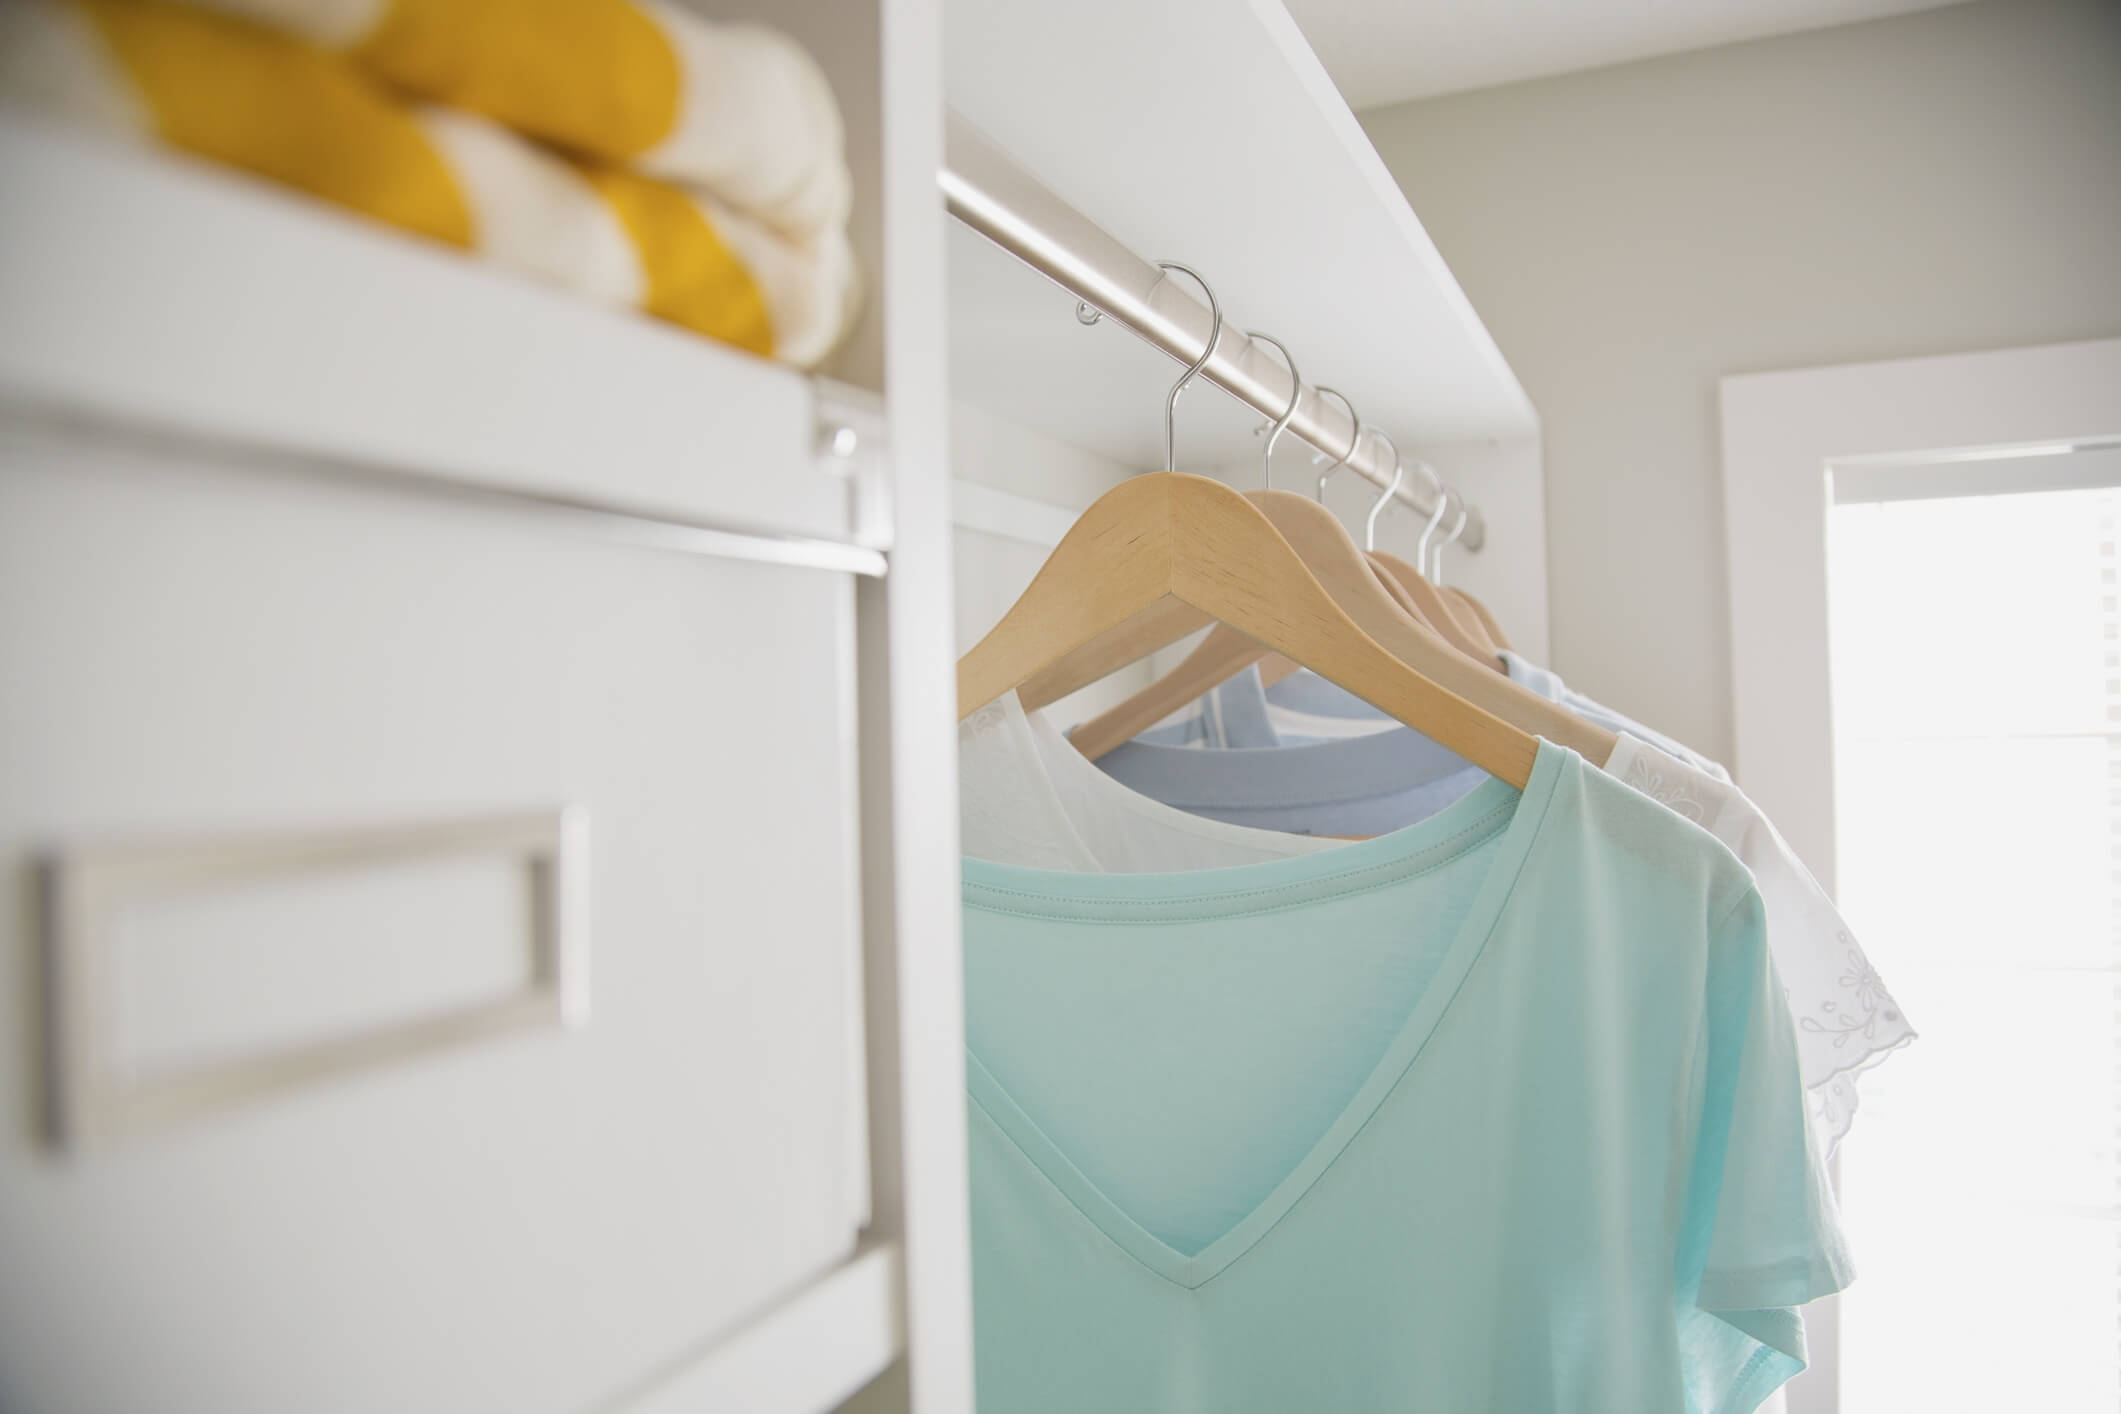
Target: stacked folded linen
[(254, 97), (738, 111)]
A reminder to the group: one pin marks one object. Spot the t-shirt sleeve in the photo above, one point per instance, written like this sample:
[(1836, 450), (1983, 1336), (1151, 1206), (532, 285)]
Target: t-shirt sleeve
[(1761, 1236), (1847, 1021)]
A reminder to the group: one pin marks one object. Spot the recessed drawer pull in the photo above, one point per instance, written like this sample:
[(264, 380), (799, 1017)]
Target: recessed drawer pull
[(188, 974)]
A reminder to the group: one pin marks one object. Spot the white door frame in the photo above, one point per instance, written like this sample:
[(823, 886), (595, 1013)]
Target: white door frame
[(1783, 435)]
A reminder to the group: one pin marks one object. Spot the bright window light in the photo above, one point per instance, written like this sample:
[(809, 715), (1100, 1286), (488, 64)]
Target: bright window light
[(1977, 695)]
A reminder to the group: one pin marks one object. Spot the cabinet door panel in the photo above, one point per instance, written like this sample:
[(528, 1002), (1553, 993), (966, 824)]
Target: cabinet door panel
[(534, 1218)]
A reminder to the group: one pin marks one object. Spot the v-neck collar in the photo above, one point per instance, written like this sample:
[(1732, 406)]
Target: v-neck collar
[(1258, 888)]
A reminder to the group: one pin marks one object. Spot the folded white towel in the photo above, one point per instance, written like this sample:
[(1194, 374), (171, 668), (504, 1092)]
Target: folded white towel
[(740, 111), (251, 97)]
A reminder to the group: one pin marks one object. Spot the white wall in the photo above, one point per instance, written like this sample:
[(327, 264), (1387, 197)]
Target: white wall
[(1943, 182)]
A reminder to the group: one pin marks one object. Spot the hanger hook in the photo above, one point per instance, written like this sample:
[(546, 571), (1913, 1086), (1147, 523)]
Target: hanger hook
[(1288, 414), (1215, 334), (1428, 530), (1458, 528), (1399, 474), (1353, 441), (1430, 548)]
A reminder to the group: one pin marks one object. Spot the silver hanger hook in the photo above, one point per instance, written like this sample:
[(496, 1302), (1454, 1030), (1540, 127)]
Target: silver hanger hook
[(1288, 415), (1215, 334), (1353, 442), (1399, 474), (1428, 530), (1458, 528)]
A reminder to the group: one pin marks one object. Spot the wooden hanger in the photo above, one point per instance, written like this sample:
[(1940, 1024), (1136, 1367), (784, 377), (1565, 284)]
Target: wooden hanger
[(1399, 595), (1150, 631), (1226, 652), (1419, 580), (1275, 667), (1473, 626), (1470, 611), (1436, 611), (1480, 611), (1177, 536), (1171, 537), (1324, 547)]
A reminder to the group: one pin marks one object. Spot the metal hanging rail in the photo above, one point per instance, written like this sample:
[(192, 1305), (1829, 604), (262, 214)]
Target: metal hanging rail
[(987, 191)]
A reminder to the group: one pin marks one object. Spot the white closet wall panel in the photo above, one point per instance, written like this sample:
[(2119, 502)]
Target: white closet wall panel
[(528, 1220)]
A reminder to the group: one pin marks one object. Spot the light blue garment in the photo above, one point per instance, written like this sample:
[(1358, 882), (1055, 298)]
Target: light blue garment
[(1305, 691), (1234, 714), (1496, 1113), (1358, 785), (1363, 785)]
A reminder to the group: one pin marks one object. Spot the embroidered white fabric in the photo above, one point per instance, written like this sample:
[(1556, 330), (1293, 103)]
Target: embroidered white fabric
[(1027, 797), (1846, 1020)]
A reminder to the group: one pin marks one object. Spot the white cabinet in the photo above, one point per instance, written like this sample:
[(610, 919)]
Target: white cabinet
[(477, 857), (525, 1220)]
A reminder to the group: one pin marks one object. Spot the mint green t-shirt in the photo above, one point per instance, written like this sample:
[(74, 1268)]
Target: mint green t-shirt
[(1497, 1112)]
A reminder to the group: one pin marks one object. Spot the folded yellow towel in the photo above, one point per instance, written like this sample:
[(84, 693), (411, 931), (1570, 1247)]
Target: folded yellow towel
[(740, 111), (251, 97)]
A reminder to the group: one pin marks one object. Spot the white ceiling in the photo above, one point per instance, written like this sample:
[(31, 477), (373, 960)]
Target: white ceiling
[(1388, 51)]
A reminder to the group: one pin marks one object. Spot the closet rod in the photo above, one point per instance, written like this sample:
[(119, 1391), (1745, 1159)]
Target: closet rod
[(987, 191)]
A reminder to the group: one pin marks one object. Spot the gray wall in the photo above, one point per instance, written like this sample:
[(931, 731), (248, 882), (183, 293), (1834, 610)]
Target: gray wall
[(1940, 183)]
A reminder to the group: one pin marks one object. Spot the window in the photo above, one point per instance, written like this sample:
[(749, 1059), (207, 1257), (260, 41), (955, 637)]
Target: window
[(1976, 685)]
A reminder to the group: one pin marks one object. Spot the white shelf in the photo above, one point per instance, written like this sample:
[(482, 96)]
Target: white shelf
[(154, 291), (1207, 132)]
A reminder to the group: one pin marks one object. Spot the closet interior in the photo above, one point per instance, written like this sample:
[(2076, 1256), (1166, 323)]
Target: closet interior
[(1278, 840), (483, 909)]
